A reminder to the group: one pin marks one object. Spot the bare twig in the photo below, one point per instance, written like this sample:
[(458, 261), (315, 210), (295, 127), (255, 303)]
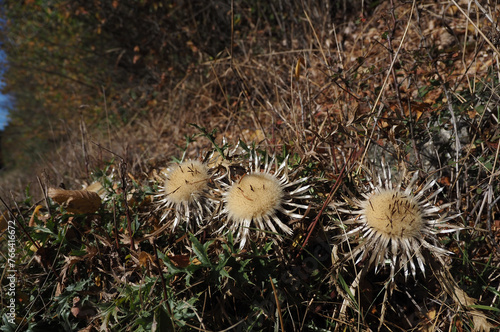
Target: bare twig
[(278, 306), (368, 141), (19, 223), (162, 278), (326, 203), (476, 27), (488, 221), (123, 171)]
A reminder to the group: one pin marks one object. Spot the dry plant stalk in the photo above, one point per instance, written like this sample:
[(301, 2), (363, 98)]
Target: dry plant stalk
[(76, 201)]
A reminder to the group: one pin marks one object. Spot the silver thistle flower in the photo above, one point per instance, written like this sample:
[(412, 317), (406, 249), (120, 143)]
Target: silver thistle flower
[(256, 199), (395, 223), (184, 193)]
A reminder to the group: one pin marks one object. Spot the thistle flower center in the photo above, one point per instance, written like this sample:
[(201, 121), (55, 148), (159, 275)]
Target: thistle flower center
[(255, 195), (186, 180), (394, 214)]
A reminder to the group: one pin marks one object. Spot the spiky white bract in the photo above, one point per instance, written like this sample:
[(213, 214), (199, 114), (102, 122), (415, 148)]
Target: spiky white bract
[(395, 224), (183, 194), (261, 199)]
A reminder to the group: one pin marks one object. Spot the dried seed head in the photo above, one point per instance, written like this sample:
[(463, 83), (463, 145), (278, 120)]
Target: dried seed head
[(263, 199), (184, 193), (393, 213), (254, 196), (185, 181), (395, 225)]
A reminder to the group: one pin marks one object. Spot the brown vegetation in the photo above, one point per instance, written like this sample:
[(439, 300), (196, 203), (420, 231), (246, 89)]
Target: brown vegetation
[(112, 91)]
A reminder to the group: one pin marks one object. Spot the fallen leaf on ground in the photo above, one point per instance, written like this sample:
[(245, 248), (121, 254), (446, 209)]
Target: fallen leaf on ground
[(76, 201)]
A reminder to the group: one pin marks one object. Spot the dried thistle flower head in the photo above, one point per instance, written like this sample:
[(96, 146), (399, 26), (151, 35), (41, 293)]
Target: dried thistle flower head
[(184, 192), (186, 181), (261, 199), (394, 225), (255, 195), (393, 213)]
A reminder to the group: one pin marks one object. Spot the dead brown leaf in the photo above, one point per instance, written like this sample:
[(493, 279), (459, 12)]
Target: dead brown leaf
[(180, 260), (145, 259), (76, 201)]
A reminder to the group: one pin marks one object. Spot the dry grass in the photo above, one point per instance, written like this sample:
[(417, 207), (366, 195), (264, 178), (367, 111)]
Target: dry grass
[(412, 83)]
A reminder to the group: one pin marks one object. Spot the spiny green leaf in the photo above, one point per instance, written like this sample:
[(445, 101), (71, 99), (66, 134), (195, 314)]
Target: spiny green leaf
[(200, 250)]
